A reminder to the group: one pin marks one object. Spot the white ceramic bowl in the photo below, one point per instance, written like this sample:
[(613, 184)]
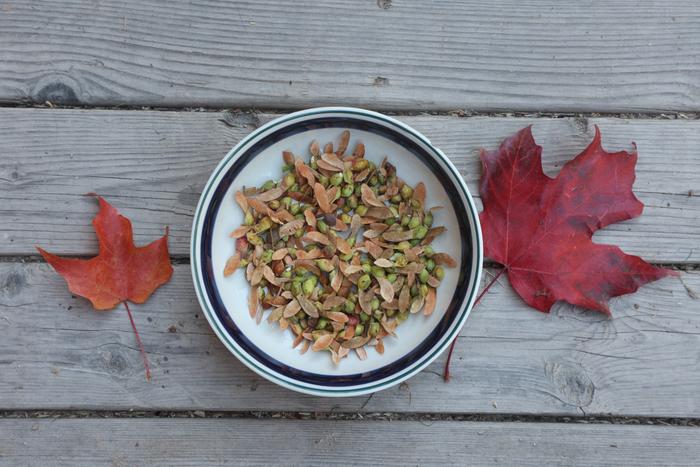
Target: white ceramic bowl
[(265, 348)]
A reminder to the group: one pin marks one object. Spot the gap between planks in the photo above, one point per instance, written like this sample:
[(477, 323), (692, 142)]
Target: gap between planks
[(348, 416)]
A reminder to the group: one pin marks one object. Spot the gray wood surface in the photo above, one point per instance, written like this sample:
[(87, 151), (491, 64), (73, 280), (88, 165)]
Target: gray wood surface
[(204, 442), (153, 165), (557, 56), (56, 353)]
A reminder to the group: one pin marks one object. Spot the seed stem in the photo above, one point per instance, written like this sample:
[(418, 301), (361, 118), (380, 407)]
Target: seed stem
[(446, 374)]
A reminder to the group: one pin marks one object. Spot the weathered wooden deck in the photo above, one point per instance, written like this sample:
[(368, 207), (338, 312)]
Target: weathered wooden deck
[(571, 387)]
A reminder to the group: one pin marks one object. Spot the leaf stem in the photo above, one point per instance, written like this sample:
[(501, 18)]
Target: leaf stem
[(446, 374), (138, 341)]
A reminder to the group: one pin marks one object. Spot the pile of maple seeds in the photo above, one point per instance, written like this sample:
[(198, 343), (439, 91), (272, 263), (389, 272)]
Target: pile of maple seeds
[(301, 253)]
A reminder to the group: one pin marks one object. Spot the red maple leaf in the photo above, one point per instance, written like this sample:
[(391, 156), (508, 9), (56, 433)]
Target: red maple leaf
[(540, 228), (121, 271)]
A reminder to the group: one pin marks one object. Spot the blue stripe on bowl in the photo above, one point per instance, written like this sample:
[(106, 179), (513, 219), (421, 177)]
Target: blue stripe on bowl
[(224, 317)]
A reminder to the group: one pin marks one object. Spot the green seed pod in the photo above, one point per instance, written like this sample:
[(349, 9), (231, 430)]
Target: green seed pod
[(299, 233), (414, 290), (287, 273), (396, 199), (289, 179), (294, 209), (347, 176), (367, 268), (375, 304), (439, 273), (391, 278), (405, 220), (414, 222), (266, 256), (287, 167), (430, 265), (373, 180), (394, 212), (406, 191), (294, 187), (351, 241), (424, 275), (324, 265), (364, 281), (378, 272), (377, 314), (404, 245), (309, 285), (296, 288), (400, 261), (244, 262), (249, 219), (268, 185), (346, 218), (348, 306), (292, 252), (286, 202), (253, 238), (313, 164), (373, 328), (359, 329), (361, 210), (323, 180), (428, 219), (264, 224), (428, 251), (321, 226), (352, 200), (381, 179), (347, 257), (347, 190), (336, 179), (390, 221), (403, 316), (420, 232), (423, 290), (364, 317), (321, 323), (390, 313), (300, 314), (360, 164)]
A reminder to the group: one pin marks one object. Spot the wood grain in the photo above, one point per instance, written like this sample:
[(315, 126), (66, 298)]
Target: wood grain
[(533, 56), (56, 353), (206, 442), (153, 165)]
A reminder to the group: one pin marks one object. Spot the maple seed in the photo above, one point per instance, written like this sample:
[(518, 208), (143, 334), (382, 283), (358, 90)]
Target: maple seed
[(121, 271)]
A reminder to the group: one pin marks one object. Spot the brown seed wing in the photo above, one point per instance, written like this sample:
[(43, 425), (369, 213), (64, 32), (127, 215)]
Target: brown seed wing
[(290, 227), (253, 301), (336, 316), (397, 235), (419, 193), (343, 246), (386, 289), (310, 217), (232, 264), (317, 237), (383, 263), (279, 254), (368, 196), (379, 213), (404, 298), (322, 198), (323, 342), (430, 300), (241, 200), (343, 143), (269, 195), (332, 302), (240, 231), (444, 258), (304, 171), (334, 161), (417, 305), (432, 233), (308, 306), (315, 148)]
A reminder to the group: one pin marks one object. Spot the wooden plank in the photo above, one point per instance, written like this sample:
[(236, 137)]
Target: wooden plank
[(501, 55), (56, 353), (202, 442), (153, 165)]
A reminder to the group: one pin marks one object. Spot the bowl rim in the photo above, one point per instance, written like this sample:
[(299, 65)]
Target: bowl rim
[(260, 368)]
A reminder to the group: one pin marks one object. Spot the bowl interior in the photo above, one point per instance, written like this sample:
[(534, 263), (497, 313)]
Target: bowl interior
[(234, 289)]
